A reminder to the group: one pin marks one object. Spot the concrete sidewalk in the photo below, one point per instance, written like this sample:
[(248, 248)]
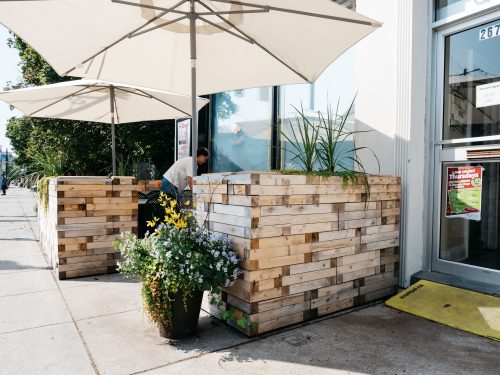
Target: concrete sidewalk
[(95, 326)]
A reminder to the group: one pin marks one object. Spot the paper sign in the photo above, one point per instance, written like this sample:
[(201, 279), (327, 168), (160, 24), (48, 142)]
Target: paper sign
[(183, 145), (464, 187), (488, 95)]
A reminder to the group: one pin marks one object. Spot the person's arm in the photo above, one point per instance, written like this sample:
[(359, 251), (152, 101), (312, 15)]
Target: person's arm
[(189, 172)]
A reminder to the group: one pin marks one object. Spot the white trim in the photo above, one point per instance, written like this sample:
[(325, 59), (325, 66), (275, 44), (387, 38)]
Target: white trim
[(413, 27), (429, 135), (403, 120), (468, 140)]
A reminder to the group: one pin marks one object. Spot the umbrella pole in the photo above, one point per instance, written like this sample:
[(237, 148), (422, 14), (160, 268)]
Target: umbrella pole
[(194, 111), (113, 145)]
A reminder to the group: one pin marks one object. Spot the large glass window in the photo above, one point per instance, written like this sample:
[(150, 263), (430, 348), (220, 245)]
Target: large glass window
[(335, 87), (241, 130), (470, 225), (448, 8), (472, 83)]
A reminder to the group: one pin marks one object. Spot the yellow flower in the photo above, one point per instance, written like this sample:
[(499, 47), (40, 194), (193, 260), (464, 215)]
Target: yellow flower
[(188, 203), (181, 224), (153, 222)]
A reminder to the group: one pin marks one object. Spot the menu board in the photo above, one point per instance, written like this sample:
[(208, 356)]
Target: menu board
[(464, 188), (183, 138)]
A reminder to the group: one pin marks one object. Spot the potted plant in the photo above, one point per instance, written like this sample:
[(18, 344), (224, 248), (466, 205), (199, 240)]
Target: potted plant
[(176, 264)]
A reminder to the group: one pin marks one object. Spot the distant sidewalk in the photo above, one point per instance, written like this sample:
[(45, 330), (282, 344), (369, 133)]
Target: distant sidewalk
[(95, 325)]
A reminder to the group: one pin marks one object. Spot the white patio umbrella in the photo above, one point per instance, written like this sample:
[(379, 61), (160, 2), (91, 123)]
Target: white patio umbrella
[(100, 101), (231, 44)]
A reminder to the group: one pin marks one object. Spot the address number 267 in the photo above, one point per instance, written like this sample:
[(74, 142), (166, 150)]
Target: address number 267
[(489, 32)]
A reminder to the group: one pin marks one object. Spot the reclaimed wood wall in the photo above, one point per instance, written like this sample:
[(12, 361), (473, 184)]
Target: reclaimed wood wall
[(310, 245), (85, 215)]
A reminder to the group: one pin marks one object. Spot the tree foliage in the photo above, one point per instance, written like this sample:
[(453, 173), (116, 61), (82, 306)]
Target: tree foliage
[(85, 147)]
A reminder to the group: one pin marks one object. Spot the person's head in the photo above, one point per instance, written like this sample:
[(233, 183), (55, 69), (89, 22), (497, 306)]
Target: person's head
[(202, 155)]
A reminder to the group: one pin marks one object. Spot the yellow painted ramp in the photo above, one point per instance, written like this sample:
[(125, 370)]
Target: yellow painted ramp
[(463, 309)]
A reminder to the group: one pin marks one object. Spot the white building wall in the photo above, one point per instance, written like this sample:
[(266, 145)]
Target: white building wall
[(377, 85), (392, 76)]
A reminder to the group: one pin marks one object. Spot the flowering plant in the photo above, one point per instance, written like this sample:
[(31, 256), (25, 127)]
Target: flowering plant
[(178, 257)]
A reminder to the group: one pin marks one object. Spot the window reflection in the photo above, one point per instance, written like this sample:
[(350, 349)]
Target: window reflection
[(241, 132), (470, 241), (472, 62), (335, 87), (447, 8)]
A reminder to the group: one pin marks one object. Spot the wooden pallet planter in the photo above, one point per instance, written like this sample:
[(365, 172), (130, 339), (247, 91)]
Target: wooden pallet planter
[(85, 215), (146, 186), (310, 245)]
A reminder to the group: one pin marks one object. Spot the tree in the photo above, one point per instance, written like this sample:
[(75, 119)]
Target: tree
[(84, 147)]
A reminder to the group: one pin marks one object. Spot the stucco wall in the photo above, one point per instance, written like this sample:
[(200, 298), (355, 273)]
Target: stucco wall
[(392, 71)]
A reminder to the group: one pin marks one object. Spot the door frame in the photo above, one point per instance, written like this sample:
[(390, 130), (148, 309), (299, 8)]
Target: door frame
[(453, 155)]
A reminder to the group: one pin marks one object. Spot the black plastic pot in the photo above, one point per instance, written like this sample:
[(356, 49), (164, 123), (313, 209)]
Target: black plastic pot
[(184, 322)]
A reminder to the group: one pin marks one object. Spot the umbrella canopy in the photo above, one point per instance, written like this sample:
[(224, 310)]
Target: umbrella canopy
[(100, 101), (231, 44), (271, 42)]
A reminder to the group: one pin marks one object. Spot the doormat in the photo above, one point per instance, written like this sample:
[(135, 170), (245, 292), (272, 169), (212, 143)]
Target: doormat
[(459, 308)]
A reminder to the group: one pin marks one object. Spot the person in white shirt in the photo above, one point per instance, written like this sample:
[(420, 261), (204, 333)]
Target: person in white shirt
[(180, 174)]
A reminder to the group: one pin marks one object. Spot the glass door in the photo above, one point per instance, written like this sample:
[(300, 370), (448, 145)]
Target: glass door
[(466, 234)]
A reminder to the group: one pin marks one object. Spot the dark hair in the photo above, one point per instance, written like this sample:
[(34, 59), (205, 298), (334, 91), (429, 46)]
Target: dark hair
[(203, 151)]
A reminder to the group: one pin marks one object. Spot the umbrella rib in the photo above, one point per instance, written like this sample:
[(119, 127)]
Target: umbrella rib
[(303, 13), (157, 27), (91, 91), (255, 42), (126, 36), (263, 10), (227, 31), (154, 7), (132, 92), (60, 100), (162, 101)]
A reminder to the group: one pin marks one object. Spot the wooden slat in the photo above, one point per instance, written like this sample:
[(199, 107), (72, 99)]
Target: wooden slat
[(310, 245)]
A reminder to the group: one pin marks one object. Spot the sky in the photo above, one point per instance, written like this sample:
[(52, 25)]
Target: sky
[(9, 71)]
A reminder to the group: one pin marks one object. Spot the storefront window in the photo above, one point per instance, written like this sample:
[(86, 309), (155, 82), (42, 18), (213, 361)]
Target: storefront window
[(472, 83), (336, 86), (241, 130), (470, 226), (448, 8)]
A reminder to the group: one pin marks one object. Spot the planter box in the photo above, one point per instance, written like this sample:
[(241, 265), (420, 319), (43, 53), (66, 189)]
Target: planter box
[(85, 215), (310, 245), (146, 186)]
